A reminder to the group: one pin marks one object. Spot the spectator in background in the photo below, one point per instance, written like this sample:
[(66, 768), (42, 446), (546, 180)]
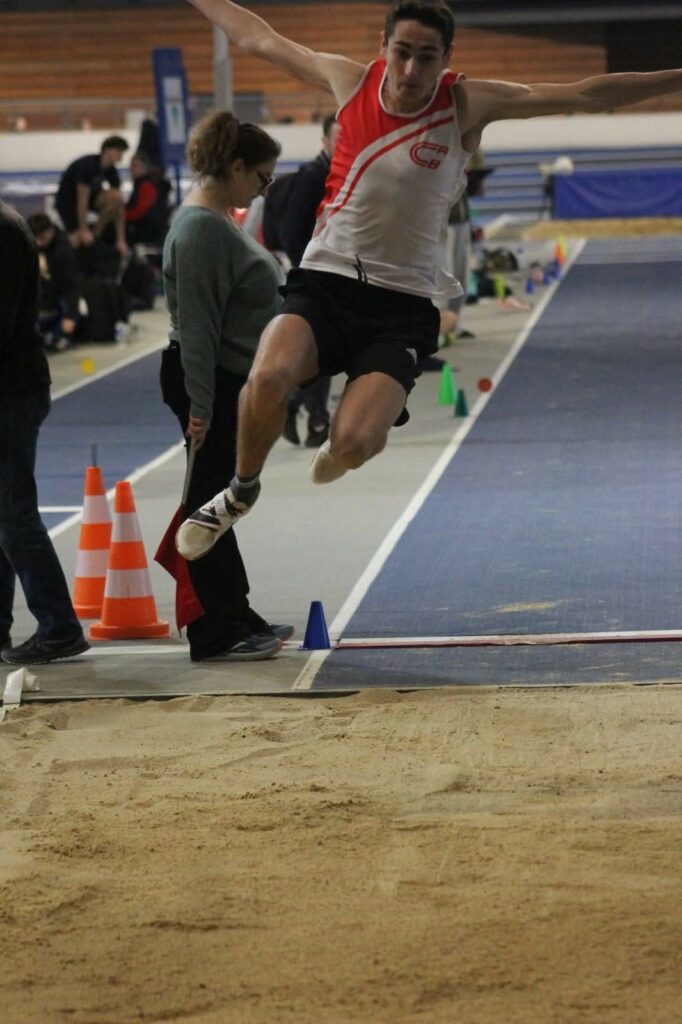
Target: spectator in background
[(59, 290), (147, 210), (26, 551), (306, 192), (91, 185), (221, 289), (460, 235)]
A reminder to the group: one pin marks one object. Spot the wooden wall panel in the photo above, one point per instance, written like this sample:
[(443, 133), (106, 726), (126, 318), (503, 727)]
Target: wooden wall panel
[(75, 55)]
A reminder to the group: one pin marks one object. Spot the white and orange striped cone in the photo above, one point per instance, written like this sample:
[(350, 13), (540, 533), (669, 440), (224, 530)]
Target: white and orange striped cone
[(93, 547), (129, 609)]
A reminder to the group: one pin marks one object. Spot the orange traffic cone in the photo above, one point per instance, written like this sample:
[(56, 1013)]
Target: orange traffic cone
[(129, 609), (93, 547)]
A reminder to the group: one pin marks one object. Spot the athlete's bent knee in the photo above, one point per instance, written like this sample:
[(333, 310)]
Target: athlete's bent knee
[(270, 383), (352, 449)]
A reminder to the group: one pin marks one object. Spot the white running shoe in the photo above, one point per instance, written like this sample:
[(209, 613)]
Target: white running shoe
[(324, 468), (203, 528)]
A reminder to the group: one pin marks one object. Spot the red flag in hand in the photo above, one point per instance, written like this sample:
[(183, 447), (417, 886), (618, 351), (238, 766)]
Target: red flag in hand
[(188, 607)]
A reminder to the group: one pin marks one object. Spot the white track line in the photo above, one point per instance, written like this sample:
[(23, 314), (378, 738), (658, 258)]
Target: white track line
[(133, 358), (138, 473), (307, 676), (160, 460), (146, 650), (512, 639)]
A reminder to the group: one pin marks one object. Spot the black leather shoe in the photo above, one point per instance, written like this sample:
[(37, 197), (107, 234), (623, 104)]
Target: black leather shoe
[(37, 651)]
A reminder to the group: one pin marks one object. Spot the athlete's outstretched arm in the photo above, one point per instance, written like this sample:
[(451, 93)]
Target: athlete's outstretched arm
[(496, 101), (250, 33)]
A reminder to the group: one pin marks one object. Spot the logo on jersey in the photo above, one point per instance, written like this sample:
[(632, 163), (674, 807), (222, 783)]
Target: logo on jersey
[(428, 154)]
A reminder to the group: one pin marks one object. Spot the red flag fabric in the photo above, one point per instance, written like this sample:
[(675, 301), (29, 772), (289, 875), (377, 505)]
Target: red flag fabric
[(188, 607)]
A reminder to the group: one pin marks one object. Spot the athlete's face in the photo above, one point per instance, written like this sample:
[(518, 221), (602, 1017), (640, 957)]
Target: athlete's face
[(415, 58)]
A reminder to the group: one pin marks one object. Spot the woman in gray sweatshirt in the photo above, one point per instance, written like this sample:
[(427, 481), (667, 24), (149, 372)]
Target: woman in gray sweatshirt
[(221, 290)]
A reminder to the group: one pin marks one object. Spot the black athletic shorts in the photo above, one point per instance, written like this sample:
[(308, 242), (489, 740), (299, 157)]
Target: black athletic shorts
[(360, 328)]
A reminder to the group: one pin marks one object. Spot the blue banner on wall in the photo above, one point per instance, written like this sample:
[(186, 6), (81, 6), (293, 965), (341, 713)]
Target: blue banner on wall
[(172, 101), (586, 195)]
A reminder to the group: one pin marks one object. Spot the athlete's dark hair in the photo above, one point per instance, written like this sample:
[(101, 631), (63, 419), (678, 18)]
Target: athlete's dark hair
[(219, 139), (329, 120), (434, 13)]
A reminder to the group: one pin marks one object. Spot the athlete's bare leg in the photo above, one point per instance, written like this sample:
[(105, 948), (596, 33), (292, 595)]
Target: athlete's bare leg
[(369, 407), (286, 356)]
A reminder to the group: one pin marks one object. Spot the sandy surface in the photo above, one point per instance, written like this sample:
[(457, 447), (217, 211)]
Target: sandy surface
[(478, 857), (612, 227)]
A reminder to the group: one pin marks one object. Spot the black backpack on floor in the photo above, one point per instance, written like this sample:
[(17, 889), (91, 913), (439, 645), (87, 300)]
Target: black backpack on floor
[(139, 284), (106, 307)]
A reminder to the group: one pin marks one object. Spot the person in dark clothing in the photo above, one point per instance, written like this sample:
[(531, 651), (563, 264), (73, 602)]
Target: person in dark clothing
[(298, 223), (306, 194), (91, 184), (59, 288), (221, 289), (26, 550), (147, 209)]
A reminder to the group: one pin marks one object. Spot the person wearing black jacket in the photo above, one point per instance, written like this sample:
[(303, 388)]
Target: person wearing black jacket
[(91, 185), (298, 223), (147, 210), (26, 551), (59, 289)]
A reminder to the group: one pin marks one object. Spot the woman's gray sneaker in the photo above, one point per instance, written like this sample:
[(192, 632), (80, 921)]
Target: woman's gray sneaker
[(257, 647)]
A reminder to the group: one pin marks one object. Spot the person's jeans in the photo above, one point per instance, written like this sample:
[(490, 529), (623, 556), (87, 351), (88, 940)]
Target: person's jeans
[(26, 551), (50, 324)]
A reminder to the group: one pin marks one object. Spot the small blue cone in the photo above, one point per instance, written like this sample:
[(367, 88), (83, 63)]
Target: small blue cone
[(546, 277), (316, 636), (530, 287)]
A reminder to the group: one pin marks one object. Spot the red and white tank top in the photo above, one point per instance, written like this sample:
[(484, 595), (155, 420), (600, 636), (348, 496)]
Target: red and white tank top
[(391, 184)]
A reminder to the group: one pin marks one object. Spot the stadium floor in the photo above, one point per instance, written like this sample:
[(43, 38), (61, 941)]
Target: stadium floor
[(328, 544)]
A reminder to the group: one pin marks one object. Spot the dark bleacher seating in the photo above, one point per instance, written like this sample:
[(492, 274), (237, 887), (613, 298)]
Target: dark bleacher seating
[(518, 188)]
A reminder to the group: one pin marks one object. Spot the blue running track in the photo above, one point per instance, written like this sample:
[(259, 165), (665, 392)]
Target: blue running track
[(560, 513), (122, 413)]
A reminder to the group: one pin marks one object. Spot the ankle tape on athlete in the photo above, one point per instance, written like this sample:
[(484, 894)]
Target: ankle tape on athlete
[(243, 487)]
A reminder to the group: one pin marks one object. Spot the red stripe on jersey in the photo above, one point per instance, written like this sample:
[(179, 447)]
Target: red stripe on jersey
[(375, 156), (364, 121)]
